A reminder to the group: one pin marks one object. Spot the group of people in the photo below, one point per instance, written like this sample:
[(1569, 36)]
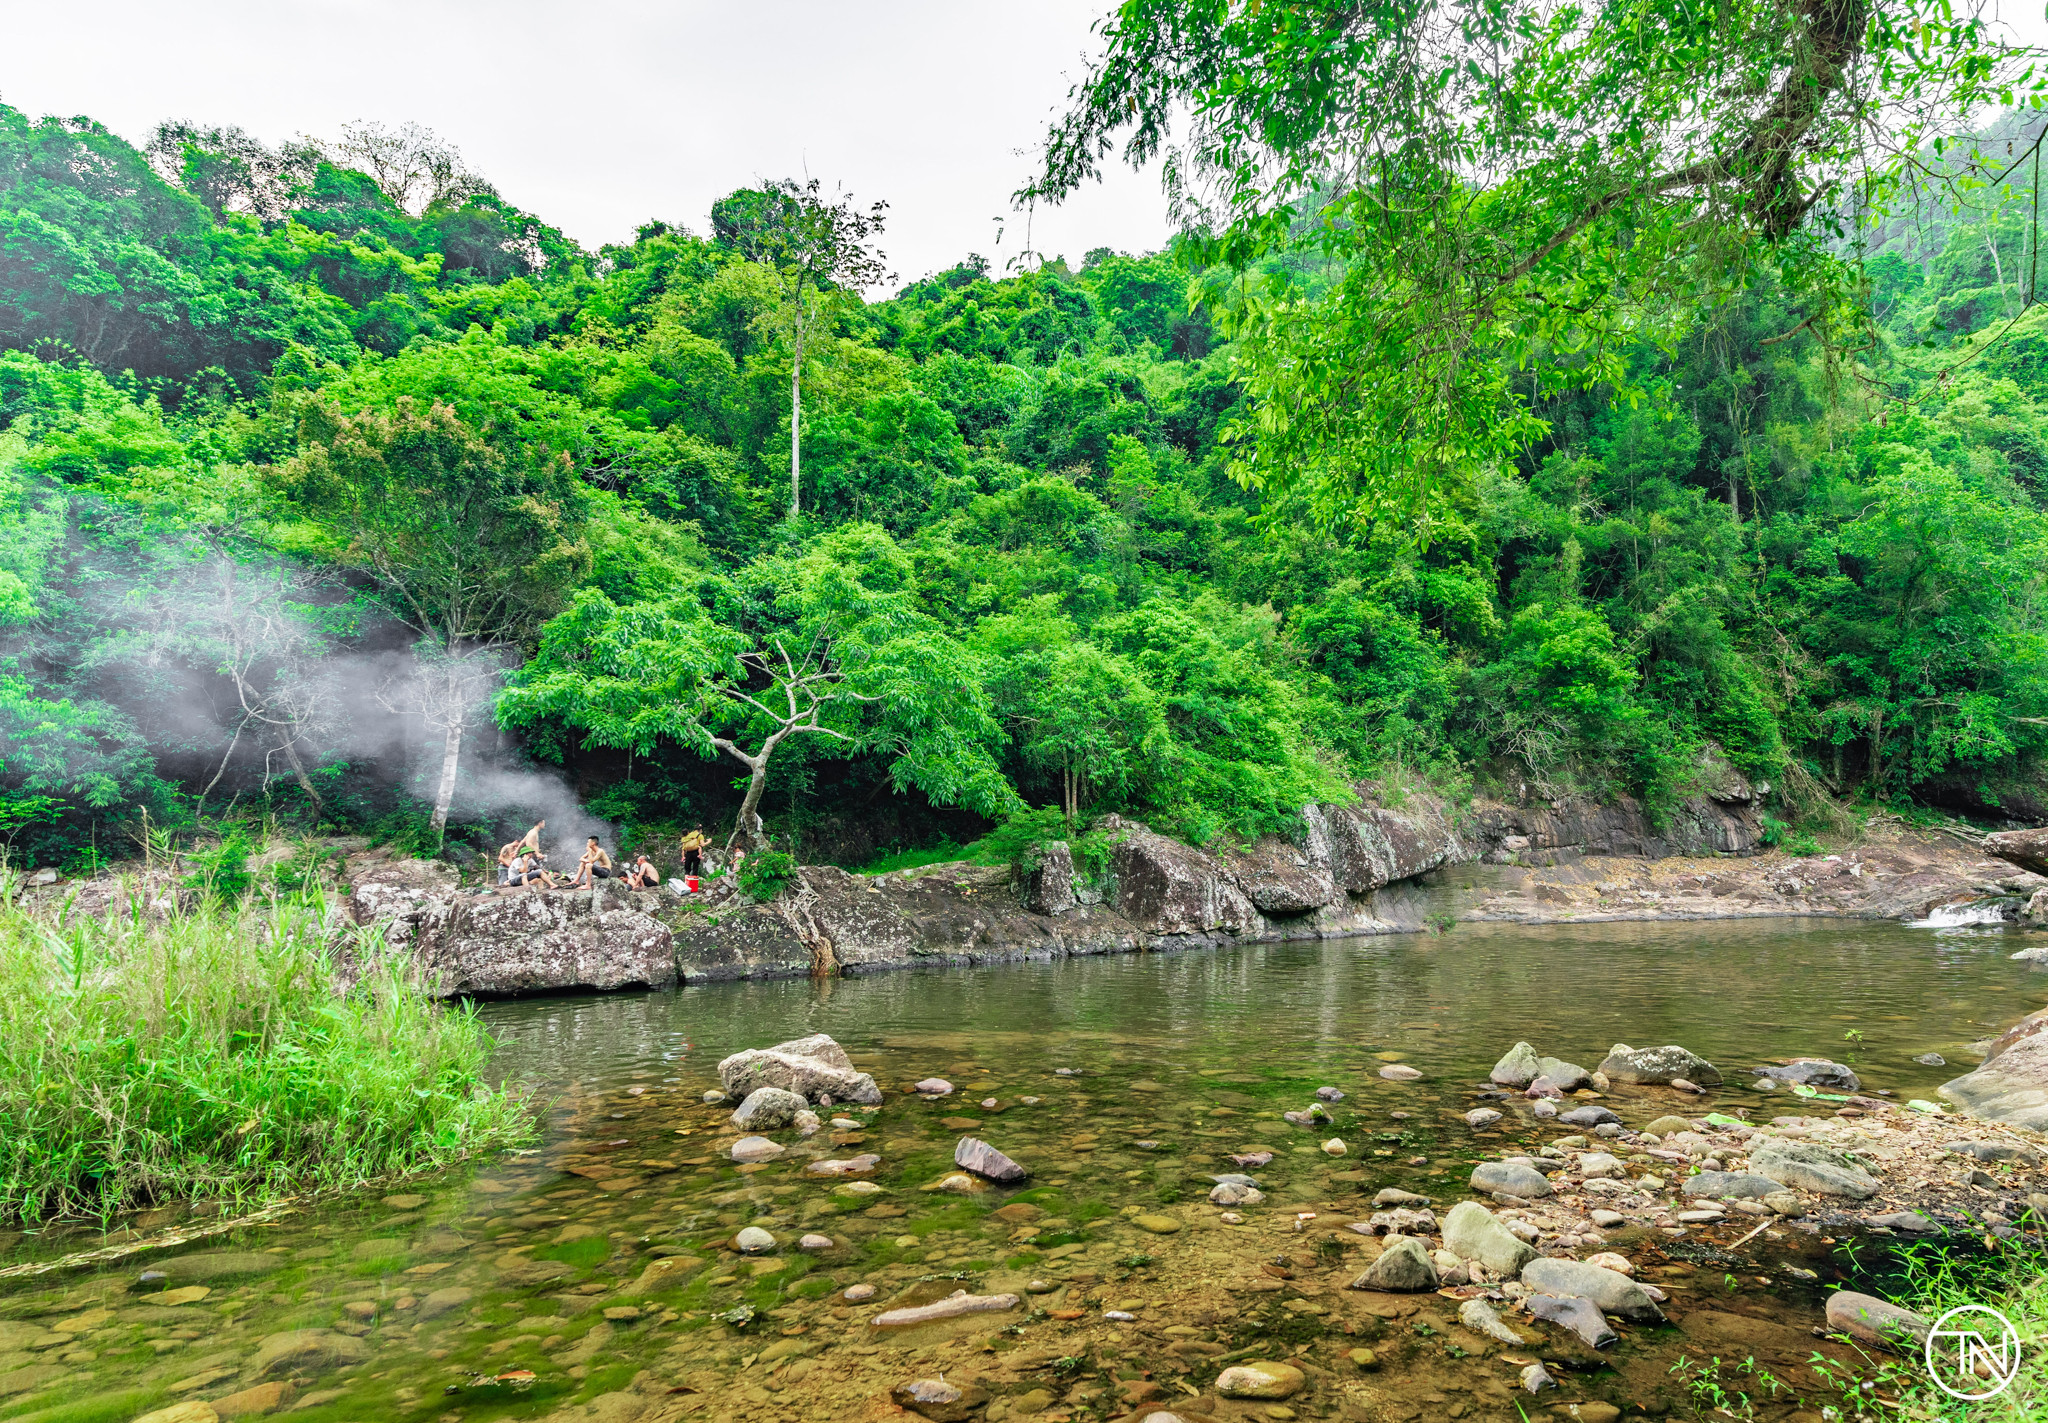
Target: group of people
[(524, 863)]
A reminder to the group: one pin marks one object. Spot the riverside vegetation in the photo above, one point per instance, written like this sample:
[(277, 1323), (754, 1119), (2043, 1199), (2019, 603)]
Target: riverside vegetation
[(217, 1053)]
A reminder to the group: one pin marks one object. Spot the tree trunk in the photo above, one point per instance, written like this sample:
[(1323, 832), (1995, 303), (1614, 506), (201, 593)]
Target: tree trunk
[(291, 754), (796, 417), (746, 830), (451, 754)]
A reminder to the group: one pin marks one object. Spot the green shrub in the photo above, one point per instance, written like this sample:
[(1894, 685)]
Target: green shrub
[(763, 874), (1020, 843), (223, 871), (217, 1054)]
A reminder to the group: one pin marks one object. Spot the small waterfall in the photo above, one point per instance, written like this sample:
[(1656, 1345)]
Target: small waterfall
[(1955, 916)]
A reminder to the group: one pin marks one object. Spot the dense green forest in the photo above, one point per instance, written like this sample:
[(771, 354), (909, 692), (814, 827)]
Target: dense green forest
[(339, 490)]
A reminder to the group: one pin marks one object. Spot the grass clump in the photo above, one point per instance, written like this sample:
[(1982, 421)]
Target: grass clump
[(223, 1053)]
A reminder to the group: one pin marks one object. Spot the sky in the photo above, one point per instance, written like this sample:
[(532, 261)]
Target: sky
[(600, 115)]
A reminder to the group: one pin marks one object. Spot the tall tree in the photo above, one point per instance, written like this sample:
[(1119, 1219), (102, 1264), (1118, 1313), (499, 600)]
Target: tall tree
[(820, 255), (473, 538), (1507, 195), (836, 650)]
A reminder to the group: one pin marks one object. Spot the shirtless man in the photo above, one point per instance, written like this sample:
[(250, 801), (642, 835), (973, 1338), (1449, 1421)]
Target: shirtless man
[(595, 865)]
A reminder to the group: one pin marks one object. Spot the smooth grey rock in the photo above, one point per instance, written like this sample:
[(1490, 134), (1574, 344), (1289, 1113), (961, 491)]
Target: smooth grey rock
[(1994, 1151), (978, 1156), (1543, 1089), (752, 1240), (1588, 1116), (1400, 1072), (1536, 1378), (768, 1109), (814, 1068), (1481, 1117), (1613, 1292), (1822, 1180), (1472, 1232), (933, 1087), (1404, 1267), (1395, 1196), (1730, 1185), (2012, 1086), (1815, 1072), (1658, 1066), (1518, 1067), (812, 1244), (311, 1351), (1597, 1165), (1568, 1076), (850, 1166), (1330, 1094), (208, 1266), (1806, 1166), (1931, 1059), (1545, 1110), (1478, 1316), (1875, 1322), (1510, 1179), (2026, 848), (952, 1307), (1912, 1222), (754, 1148), (1576, 1313)]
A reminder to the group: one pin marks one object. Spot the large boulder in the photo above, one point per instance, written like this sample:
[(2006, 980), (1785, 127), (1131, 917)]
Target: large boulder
[(2026, 848), (1165, 887), (1282, 878), (1369, 847), (517, 942), (2012, 1085), (815, 1068), (1049, 886), (1658, 1066)]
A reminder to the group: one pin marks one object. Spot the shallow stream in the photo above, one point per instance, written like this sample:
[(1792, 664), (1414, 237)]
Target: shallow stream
[(554, 1279)]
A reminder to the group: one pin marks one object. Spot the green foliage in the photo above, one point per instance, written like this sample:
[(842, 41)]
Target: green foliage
[(765, 874), (214, 1054), (1368, 484)]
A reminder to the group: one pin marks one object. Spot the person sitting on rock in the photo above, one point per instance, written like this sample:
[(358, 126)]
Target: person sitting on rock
[(526, 868), (595, 865), (642, 874)]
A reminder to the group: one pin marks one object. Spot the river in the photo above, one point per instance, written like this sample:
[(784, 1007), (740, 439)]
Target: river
[(533, 1284)]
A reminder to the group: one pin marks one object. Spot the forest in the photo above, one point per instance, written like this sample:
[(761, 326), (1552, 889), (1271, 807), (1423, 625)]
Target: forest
[(342, 494)]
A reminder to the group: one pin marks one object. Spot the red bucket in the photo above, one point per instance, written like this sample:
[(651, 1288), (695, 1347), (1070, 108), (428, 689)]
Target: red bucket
[(690, 883)]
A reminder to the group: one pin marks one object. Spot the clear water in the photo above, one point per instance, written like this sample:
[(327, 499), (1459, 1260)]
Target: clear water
[(1195, 1054)]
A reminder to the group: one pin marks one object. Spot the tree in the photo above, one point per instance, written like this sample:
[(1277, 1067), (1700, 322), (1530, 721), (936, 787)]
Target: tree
[(834, 649), (819, 256), (1504, 197), (472, 538), (244, 619)]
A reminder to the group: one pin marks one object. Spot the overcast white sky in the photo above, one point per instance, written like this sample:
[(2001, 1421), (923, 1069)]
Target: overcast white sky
[(599, 115)]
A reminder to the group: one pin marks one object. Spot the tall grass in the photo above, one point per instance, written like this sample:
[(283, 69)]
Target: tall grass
[(1932, 1279), (215, 1054)]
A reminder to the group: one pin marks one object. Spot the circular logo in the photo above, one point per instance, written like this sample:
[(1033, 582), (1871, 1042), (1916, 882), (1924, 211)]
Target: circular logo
[(1973, 1353)]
